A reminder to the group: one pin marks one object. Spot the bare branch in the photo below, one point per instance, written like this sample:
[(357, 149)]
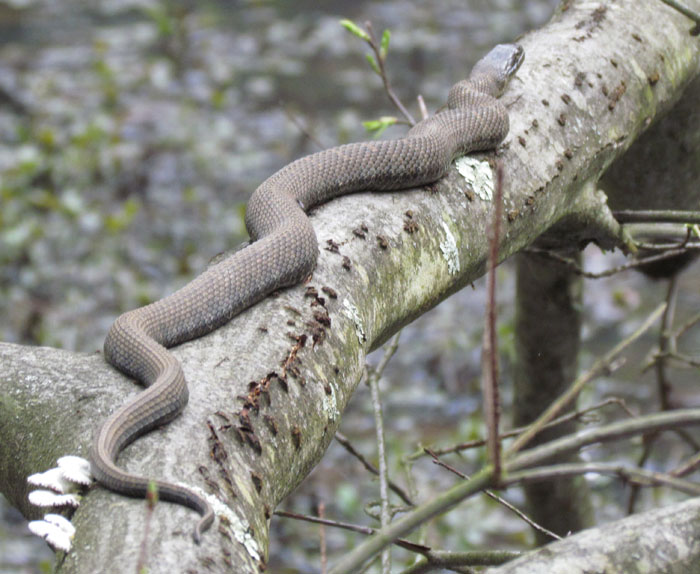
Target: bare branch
[(683, 9), (657, 216), (578, 415), (343, 440), (599, 367), (489, 353), (670, 420), (638, 476), (494, 496)]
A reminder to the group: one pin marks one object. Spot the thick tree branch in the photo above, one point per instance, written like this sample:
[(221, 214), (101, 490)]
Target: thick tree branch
[(582, 96), (661, 540)]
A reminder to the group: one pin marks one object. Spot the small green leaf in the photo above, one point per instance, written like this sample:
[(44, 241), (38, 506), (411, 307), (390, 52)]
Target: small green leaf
[(218, 99), (189, 194), (384, 47), (160, 17), (377, 127), (46, 137), (373, 64), (117, 222), (353, 28)]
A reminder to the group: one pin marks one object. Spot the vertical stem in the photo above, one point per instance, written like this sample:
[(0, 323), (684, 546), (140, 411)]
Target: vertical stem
[(489, 355), (667, 344), (385, 516)]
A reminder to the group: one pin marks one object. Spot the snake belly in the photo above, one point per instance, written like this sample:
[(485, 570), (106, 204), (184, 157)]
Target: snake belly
[(283, 252)]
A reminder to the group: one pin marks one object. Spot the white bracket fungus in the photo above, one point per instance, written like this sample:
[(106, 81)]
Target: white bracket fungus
[(55, 529), (71, 474)]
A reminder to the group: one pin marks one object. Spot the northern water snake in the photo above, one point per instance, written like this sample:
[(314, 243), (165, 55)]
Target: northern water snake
[(283, 251)]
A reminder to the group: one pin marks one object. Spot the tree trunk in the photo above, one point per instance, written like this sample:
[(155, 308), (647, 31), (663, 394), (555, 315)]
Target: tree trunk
[(547, 341)]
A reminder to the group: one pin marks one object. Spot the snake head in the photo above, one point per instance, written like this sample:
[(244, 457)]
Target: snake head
[(501, 64)]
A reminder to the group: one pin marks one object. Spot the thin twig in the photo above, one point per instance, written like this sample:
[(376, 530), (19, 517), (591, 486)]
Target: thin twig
[(407, 544), (343, 440), (385, 79), (667, 347), (351, 562), (322, 538), (385, 516), (644, 424), (576, 268), (667, 247), (689, 361), (683, 9), (422, 107), (151, 501), (365, 551), (678, 357), (578, 415), (694, 320), (389, 351), (292, 117), (598, 368), (636, 487), (437, 560), (497, 498), (639, 476), (667, 344), (657, 216), (688, 466)]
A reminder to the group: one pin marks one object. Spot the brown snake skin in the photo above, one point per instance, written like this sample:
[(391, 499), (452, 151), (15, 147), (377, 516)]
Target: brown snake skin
[(283, 252)]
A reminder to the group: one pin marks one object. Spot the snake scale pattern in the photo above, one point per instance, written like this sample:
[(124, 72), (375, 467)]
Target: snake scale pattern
[(283, 251)]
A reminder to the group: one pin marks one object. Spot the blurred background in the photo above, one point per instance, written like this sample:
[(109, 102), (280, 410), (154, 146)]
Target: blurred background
[(132, 133)]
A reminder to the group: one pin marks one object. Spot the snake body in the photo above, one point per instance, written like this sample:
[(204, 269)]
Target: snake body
[(283, 251)]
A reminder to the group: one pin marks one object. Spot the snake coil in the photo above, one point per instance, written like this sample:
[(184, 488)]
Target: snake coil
[(283, 252)]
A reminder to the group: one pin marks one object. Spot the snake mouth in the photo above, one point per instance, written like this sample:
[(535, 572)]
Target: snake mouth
[(516, 59)]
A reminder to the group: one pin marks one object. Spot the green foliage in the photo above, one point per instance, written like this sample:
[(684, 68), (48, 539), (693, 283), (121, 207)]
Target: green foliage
[(162, 18), (241, 208), (347, 498), (105, 75), (506, 338), (373, 64), (46, 137), (218, 99), (381, 50), (377, 127), (118, 222), (384, 48), (354, 29)]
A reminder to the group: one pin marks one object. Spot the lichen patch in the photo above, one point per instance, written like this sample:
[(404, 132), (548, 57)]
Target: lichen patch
[(478, 175)]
